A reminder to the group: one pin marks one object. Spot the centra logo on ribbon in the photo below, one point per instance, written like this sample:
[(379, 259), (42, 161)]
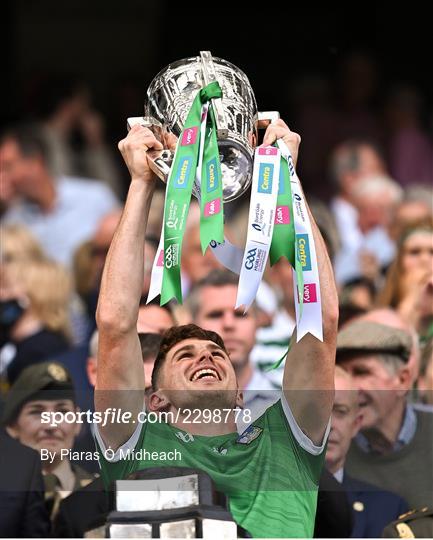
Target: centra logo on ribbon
[(212, 177), (310, 293), (212, 207), (304, 251), (181, 178), (189, 136), (266, 173)]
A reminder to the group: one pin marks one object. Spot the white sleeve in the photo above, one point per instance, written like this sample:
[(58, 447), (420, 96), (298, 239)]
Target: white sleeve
[(305, 442), (113, 456)]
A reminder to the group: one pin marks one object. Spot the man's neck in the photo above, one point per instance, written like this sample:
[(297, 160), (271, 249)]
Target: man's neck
[(244, 375), (383, 437), (45, 195), (333, 468)]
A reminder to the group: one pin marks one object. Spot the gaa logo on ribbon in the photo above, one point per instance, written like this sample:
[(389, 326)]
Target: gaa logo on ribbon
[(213, 244), (266, 173), (172, 256), (251, 257), (189, 136), (181, 178), (304, 256)]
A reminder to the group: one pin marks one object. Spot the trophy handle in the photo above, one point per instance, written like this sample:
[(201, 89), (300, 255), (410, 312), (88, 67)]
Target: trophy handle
[(159, 160)]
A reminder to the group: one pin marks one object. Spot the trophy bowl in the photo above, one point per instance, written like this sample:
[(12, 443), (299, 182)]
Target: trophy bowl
[(169, 99)]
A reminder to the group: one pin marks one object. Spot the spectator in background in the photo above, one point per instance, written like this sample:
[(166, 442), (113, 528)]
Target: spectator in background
[(74, 131), (409, 282), (350, 162), (375, 198), (46, 387), (89, 262), (372, 508), (34, 321), (19, 244), (394, 448), (425, 381), (390, 317), (416, 207), (211, 303), (60, 212), (154, 318)]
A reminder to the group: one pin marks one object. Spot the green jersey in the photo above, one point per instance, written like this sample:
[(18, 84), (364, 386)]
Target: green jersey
[(270, 479)]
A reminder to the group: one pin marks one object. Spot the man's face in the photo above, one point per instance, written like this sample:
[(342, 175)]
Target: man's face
[(237, 329), (345, 423), (29, 429), (17, 171), (380, 389), (153, 319), (196, 372)]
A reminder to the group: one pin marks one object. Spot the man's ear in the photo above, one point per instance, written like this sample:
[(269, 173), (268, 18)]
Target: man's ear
[(158, 401), (240, 399), (13, 431), (91, 370), (405, 379)]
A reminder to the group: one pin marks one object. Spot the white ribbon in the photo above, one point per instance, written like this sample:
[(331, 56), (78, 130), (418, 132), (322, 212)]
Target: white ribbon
[(264, 192)]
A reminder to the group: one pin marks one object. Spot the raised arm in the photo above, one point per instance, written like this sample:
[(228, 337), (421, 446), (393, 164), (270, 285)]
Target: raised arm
[(120, 380), (308, 381)]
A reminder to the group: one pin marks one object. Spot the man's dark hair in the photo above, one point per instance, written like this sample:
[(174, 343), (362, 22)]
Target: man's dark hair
[(150, 344), (29, 138), (174, 335), (215, 278)]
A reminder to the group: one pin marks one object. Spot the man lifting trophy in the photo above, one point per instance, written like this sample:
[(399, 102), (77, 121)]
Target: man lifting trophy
[(199, 135)]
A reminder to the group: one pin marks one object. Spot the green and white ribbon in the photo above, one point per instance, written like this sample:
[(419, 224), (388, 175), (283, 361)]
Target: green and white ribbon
[(197, 149), (308, 306)]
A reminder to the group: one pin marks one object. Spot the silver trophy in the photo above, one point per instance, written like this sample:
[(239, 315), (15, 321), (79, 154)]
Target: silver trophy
[(169, 99)]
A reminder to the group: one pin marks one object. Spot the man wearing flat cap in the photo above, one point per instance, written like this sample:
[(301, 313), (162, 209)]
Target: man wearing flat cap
[(46, 388), (394, 448)]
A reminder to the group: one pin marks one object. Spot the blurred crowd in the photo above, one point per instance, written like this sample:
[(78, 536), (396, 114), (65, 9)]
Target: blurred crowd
[(60, 204)]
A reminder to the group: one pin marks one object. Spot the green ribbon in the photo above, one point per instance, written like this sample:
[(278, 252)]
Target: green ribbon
[(211, 200), (178, 195)]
